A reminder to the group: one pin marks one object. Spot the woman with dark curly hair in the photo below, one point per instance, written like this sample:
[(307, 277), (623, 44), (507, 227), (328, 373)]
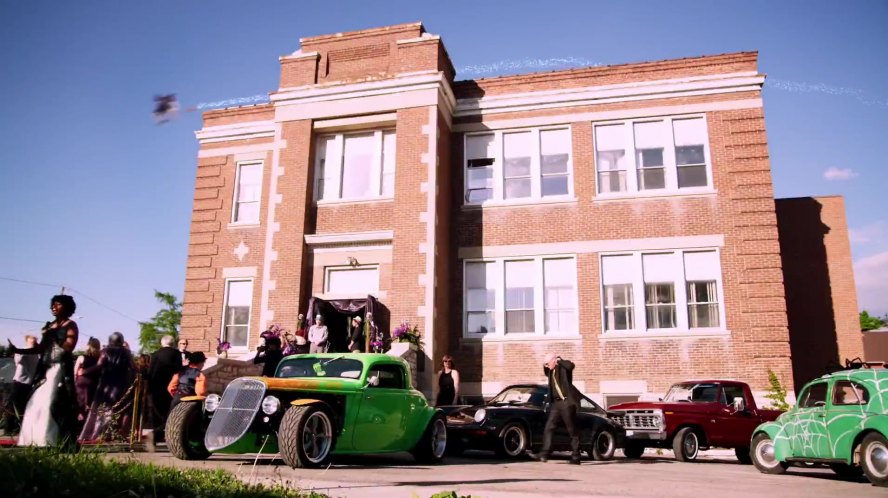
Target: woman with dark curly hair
[(49, 417)]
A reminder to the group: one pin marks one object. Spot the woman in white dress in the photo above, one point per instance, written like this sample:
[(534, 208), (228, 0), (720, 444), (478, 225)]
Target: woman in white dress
[(50, 418)]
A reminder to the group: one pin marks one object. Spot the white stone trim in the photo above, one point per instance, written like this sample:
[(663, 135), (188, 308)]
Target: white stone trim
[(299, 54), (325, 250), (593, 246), (266, 314), (337, 124), (424, 38), (237, 131), (430, 159), (349, 237), (642, 90), (620, 114), (250, 156), (239, 272), (622, 335), (242, 149)]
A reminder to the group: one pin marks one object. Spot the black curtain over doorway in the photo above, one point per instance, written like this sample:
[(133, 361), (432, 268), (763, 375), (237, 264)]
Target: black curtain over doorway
[(338, 314)]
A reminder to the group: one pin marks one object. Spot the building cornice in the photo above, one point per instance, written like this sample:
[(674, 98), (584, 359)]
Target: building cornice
[(349, 238), (237, 131), (643, 90)]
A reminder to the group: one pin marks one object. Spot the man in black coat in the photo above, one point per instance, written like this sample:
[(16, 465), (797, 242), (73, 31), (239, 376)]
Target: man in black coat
[(165, 362), (269, 355), (563, 404)]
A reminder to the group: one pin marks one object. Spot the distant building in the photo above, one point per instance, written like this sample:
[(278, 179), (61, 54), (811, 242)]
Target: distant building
[(623, 216)]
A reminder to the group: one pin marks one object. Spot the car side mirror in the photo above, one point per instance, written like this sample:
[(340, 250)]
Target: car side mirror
[(739, 404), (373, 381)]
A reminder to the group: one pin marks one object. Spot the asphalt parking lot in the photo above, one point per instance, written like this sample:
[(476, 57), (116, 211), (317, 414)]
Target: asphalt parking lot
[(482, 475)]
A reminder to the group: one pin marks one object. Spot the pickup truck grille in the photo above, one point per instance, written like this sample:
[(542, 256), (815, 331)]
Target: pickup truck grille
[(638, 420)]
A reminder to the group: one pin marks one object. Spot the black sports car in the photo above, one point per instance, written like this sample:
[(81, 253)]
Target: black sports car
[(512, 423)]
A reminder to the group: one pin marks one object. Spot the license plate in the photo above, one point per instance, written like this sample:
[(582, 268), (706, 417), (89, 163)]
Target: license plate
[(630, 433)]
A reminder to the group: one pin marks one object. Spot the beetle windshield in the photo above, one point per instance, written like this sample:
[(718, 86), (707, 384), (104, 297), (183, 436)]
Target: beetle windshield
[(694, 392), (520, 395), (345, 368)]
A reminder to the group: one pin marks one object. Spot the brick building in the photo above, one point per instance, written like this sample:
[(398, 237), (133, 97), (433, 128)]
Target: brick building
[(621, 215)]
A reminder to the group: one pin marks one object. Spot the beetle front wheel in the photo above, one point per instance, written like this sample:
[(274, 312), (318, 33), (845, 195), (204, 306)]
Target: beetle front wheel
[(763, 456)]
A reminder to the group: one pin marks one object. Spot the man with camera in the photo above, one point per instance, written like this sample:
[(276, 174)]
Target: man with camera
[(269, 355), (563, 404)]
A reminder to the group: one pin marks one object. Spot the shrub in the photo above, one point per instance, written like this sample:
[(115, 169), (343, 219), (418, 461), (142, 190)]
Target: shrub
[(39, 473), (776, 393)]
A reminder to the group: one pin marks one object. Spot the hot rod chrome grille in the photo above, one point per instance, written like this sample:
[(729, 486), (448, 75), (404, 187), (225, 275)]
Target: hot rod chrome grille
[(638, 420), (232, 419)]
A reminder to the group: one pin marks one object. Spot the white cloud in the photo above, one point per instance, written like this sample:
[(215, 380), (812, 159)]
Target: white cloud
[(874, 232), (834, 173), (871, 277)]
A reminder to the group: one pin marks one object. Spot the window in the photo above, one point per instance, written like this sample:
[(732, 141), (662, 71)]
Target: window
[(236, 318), (518, 164), (521, 297), (661, 291), (356, 166), (846, 392), (666, 155), (730, 393), (390, 376), (358, 281), (814, 396), (247, 193)]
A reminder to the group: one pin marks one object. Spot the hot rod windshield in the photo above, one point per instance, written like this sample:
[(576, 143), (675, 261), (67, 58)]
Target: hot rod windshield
[(345, 368), (692, 391)]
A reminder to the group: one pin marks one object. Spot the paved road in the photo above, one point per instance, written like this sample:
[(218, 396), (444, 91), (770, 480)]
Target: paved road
[(397, 476)]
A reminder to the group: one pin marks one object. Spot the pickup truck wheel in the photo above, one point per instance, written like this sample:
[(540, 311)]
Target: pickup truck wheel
[(185, 432), (845, 471), (604, 445), (512, 442), (686, 445), (763, 457), (874, 458), (432, 446), (633, 450), (305, 438), (743, 455)]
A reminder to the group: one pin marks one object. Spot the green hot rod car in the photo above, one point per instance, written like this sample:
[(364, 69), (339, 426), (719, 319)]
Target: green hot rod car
[(841, 420), (316, 406)]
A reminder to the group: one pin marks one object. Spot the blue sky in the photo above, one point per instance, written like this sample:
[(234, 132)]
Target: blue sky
[(96, 197)]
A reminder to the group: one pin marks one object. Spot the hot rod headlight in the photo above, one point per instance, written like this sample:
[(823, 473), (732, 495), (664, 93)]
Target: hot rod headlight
[(270, 405), (212, 402), (480, 415)]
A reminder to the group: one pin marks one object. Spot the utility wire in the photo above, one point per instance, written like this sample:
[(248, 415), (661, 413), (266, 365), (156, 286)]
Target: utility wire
[(71, 289), (20, 319), (29, 282)]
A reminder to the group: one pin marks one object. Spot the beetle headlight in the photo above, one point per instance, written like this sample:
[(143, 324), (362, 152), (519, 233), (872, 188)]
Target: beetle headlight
[(480, 415), (212, 402), (270, 405)]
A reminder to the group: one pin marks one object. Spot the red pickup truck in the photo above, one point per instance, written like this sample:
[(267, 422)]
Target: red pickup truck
[(693, 416)]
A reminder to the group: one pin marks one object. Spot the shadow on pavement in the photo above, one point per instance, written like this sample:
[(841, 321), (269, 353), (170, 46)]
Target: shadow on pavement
[(463, 482)]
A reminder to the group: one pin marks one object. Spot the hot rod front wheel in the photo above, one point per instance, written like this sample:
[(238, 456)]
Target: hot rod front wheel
[(185, 432), (305, 438), (433, 444)]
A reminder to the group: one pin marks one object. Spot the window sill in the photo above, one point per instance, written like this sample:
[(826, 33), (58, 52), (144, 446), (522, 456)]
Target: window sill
[(240, 225), (365, 200), (352, 295), (525, 338), (630, 196), (663, 334), (522, 202)]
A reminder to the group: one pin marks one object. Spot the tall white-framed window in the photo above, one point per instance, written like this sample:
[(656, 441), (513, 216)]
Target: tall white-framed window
[(662, 291), (355, 166), (236, 312), (247, 193), (653, 156), (520, 297), (351, 280), (512, 166)]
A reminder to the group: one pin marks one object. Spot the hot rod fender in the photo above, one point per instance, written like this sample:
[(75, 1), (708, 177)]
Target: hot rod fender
[(420, 423), (192, 398), (305, 401)]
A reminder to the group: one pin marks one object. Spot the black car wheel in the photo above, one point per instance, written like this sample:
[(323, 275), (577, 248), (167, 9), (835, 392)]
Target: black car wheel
[(305, 438), (633, 450), (604, 445), (432, 446), (185, 432), (686, 445), (512, 441)]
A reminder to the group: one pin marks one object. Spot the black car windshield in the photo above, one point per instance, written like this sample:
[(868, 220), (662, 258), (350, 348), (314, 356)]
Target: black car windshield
[(695, 392), (345, 368), (520, 395)]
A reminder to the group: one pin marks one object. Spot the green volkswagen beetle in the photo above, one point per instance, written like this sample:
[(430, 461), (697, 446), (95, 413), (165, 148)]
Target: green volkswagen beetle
[(316, 406), (841, 420)]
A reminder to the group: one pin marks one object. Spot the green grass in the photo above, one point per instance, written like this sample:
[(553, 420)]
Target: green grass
[(46, 473)]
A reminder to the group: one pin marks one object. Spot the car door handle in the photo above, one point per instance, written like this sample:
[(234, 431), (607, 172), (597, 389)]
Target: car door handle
[(821, 415)]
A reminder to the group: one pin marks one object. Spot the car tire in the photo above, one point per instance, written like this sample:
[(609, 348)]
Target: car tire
[(432, 446), (306, 437), (762, 454), (512, 441), (845, 471), (185, 432), (874, 458), (686, 445), (633, 450), (743, 456), (604, 445)]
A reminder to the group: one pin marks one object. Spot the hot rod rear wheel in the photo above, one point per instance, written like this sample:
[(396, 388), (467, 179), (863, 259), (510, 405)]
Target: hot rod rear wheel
[(305, 438), (604, 445), (763, 457), (185, 432), (874, 458), (512, 441), (686, 445), (433, 444)]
